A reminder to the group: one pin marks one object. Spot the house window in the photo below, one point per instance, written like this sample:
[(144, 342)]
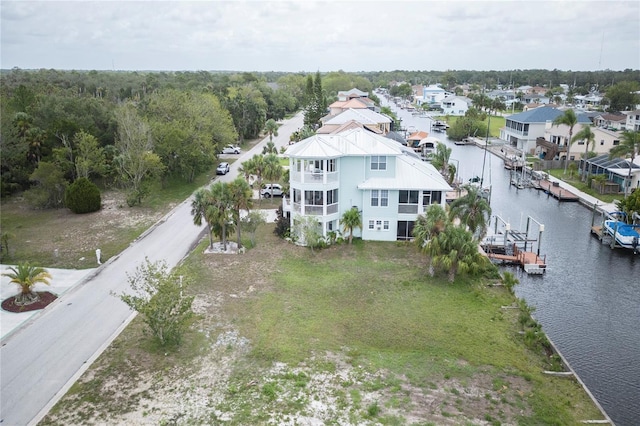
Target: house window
[(297, 195), (378, 162), (431, 197), (379, 198), (332, 196), (616, 142), (405, 230), (408, 197), (371, 224), (331, 165), (601, 141), (385, 225), (313, 198), (297, 165)]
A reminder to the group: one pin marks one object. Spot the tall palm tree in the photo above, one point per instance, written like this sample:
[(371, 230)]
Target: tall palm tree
[(241, 195), (199, 206), (27, 276), (271, 127), (473, 210), (589, 138), (629, 147), (350, 220), (220, 209), (570, 119)]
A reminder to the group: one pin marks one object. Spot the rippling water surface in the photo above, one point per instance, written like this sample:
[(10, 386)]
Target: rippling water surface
[(588, 301)]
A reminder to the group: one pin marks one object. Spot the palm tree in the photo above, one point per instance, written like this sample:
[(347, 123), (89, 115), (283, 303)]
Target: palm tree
[(473, 210), (271, 127), (220, 209), (629, 147), (241, 195), (351, 219), (199, 206), (570, 119), (441, 158), (26, 276), (270, 148), (589, 138)]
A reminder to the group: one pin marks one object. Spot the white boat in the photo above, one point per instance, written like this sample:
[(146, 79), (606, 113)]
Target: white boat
[(626, 235)]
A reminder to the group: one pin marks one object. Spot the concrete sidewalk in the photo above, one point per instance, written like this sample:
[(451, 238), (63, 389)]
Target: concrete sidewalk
[(62, 280)]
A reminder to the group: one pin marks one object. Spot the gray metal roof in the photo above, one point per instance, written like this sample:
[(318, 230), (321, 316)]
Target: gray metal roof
[(542, 115)]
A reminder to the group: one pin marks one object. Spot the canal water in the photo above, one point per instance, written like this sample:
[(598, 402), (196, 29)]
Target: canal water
[(588, 300)]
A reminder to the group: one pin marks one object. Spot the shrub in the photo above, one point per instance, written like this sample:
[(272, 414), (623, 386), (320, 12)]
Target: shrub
[(82, 196)]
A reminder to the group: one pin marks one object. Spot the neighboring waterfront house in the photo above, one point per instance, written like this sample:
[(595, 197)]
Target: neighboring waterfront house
[(554, 144), (345, 95), (521, 130), (535, 98), (413, 140), (431, 95), (507, 96), (356, 103), (633, 120), (616, 170), (370, 119), (592, 100), (385, 181), (456, 105), (610, 121)]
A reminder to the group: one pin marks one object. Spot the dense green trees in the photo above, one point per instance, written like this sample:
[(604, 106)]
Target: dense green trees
[(623, 96), (188, 130)]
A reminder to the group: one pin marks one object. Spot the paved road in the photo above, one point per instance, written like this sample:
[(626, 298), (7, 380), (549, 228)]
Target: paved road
[(40, 361)]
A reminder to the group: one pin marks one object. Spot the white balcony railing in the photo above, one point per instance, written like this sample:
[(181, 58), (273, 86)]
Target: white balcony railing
[(408, 208)]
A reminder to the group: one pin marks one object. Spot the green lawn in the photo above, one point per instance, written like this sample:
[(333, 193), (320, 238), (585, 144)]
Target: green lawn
[(497, 122)]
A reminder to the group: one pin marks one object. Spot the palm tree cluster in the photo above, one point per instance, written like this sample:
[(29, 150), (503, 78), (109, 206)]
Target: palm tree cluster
[(262, 167), (450, 239), (220, 206)]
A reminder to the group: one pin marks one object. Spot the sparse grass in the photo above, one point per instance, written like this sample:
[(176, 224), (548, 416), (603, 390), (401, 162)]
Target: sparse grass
[(61, 239), (350, 334)]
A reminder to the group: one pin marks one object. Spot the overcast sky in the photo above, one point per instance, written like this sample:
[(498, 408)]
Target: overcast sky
[(324, 36)]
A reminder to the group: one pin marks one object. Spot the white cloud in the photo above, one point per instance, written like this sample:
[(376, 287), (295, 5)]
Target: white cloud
[(329, 35)]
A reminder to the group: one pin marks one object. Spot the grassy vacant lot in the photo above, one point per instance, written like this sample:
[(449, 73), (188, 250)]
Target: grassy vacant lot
[(349, 335), (58, 238)]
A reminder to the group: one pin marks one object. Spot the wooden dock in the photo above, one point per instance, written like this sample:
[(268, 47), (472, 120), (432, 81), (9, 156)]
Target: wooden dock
[(556, 191), (529, 261)]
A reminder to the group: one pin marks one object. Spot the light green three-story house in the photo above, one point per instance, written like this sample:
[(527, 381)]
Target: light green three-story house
[(387, 182)]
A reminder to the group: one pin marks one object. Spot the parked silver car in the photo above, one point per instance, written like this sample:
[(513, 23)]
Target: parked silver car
[(223, 169)]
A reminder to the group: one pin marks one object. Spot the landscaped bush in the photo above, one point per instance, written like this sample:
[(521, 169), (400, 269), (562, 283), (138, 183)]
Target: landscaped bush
[(83, 196)]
